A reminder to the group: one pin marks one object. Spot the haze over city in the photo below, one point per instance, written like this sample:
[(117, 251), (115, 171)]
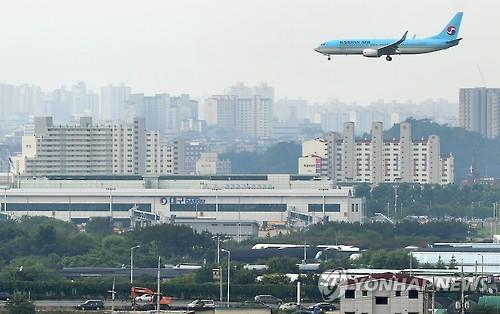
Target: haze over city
[(198, 47)]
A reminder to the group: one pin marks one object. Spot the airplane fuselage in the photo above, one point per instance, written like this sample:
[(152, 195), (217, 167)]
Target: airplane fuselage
[(374, 48), (357, 46)]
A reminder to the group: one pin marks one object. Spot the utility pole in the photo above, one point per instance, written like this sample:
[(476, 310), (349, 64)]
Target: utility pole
[(411, 262), (228, 272), (111, 189), (462, 297), (395, 200), (433, 297), (132, 263), (220, 269), (494, 221), (495, 217), (158, 286), (113, 292), (305, 251)]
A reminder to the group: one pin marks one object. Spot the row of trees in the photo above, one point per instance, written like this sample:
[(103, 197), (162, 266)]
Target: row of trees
[(375, 235), (438, 201), (36, 248)]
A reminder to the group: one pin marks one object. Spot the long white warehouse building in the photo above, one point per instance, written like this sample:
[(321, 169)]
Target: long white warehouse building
[(261, 198)]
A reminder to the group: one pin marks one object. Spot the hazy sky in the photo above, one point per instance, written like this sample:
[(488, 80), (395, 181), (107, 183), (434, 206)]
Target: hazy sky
[(201, 46)]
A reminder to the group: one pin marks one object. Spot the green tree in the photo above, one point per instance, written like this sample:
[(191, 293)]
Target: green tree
[(203, 275), (453, 263), (275, 279), (440, 264), (244, 276), (279, 158), (20, 305), (282, 265), (99, 226)]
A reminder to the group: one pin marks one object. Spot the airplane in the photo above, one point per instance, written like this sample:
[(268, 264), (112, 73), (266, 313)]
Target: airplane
[(375, 48)]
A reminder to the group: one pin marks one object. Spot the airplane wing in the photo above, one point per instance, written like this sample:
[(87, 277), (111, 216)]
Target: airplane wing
[(392, 48)]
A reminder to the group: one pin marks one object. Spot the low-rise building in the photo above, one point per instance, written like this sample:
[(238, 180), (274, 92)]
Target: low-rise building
[(237, 230), (382, 294), (264, 198), (474, 257)]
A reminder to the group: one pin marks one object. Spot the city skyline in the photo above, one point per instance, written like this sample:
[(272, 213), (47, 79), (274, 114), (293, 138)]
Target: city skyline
[(188, 47)]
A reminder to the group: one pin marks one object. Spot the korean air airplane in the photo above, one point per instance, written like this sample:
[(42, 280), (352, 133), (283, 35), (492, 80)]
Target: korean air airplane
[(375, 48)]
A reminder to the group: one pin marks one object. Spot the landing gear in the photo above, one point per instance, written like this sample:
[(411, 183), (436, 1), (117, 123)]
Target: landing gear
[(388, 58), (329, 58)]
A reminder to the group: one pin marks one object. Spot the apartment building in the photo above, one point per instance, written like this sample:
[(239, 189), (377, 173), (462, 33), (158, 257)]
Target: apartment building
[(82, 149), (479, 110), (107, 149), (210, 164), (243, 111), (343, 158)]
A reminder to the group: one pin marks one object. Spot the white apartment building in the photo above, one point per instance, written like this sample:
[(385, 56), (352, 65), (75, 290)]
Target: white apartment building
[(479, 110), (70, 150), (314, 157), (83, 149), (107, 149), (383, 293), (113, 102), (250, 116), (345, 159), (210, 164)]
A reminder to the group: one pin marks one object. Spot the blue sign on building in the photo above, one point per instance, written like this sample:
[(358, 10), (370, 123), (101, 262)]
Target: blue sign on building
[(181, 200)]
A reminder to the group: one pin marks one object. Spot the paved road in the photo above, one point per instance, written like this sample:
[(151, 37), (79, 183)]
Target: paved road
[(107, 303)]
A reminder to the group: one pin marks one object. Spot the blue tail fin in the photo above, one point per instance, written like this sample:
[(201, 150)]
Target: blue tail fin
[(450, 31)]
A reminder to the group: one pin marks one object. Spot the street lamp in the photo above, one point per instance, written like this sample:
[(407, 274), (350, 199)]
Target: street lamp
[(482, 264), (395, 186), (323, 207), (132, 263), (20, 269), (228, 271), (220, 268), (5, 188), (111, 189), (216, 198)]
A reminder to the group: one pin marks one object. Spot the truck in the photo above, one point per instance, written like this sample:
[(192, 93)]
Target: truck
[(145, 299)]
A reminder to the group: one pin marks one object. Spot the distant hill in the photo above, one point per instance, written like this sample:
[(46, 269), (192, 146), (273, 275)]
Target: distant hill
[(279, 158), (464, 145)]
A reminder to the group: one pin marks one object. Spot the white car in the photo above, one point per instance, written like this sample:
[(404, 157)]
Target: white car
[(206, 304), (144, 298), (290, 306)]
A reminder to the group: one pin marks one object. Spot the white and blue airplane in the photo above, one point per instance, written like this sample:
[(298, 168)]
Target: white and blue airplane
[(375, 48)]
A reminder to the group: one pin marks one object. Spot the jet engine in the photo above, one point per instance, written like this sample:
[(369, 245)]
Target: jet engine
[(371, 53)]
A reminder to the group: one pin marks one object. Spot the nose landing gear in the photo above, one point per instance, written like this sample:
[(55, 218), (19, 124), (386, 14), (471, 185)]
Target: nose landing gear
[(329, 58), (388, 58)]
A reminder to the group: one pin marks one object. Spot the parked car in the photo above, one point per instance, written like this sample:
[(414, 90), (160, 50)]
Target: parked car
[(4, 296), (323, 307), (290, 306), (267, 299), (201, 304), (91, 305), (144, 298)]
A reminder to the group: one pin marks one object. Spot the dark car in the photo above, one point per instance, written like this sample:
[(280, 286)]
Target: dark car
[(323, 307), (91, 305), (4, 296), (267, 299)]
